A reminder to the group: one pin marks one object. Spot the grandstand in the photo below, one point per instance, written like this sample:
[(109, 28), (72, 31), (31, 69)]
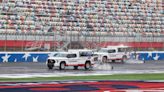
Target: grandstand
[(51, 24)]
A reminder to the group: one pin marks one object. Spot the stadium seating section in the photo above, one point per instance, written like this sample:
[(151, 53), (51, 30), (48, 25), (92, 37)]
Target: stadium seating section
[(80, 15), (125, 16)]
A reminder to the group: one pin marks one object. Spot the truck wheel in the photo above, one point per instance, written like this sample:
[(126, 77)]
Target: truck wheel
[(87, 65), (124, 58), (50, 65), (75, 67), (104, 59), (62, 65)]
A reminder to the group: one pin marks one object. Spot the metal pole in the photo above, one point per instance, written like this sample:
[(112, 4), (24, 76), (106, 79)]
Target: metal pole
[(15, 41), (5, 40), (71, 36), (22, 41), (99, 41), (5, 37), (54, 40)]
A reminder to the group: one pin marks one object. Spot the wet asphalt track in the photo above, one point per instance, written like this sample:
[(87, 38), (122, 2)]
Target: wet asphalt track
[(25, 68), (73, 86)]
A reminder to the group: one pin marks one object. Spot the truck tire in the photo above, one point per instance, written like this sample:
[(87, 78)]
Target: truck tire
[(87, 65), (62, 66), (50, 65), (104, 59), (124, 58)]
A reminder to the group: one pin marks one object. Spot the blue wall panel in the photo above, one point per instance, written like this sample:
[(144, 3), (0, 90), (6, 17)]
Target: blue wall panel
[(42, 56), (147, 56), (23, 56)]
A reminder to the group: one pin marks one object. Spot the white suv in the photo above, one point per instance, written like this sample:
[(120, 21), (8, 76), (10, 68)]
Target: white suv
[(75, 58)]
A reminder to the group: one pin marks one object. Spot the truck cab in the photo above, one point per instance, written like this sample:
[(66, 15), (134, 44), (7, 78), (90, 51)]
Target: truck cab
[(75, 58), (113, 53)]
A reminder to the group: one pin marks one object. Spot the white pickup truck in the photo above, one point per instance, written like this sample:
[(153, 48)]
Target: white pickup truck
[(113, 53), (75, 58)]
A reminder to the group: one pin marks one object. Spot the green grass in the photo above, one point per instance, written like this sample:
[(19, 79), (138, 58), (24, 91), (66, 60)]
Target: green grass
[(158, 76)]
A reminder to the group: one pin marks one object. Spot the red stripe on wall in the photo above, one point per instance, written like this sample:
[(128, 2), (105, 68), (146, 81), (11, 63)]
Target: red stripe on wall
[(11, 43), (134, 44)]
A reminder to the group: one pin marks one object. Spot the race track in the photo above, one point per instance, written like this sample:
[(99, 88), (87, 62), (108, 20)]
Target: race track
[(41, 70), (22, 70)]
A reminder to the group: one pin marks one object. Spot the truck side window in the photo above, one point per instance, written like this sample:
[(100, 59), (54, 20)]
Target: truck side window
[(71, 56), (74, 55), (83, 54), (121, 49), (111, 51)]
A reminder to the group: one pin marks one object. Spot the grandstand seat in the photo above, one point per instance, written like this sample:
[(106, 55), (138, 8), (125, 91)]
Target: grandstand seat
[(102, 15)]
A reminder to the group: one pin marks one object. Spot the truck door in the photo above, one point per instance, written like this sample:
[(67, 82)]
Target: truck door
[(72, 59), (83, 56), (112, 54), (122, 52)]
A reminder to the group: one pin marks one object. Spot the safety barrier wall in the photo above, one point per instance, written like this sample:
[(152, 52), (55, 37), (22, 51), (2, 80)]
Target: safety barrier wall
[(24, 56), (42, 56), (150, 55)]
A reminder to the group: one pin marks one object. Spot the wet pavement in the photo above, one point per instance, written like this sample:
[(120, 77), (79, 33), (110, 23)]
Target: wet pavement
[(40, 69)]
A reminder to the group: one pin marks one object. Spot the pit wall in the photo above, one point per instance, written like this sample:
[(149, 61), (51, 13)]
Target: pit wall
[(42, 56)]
